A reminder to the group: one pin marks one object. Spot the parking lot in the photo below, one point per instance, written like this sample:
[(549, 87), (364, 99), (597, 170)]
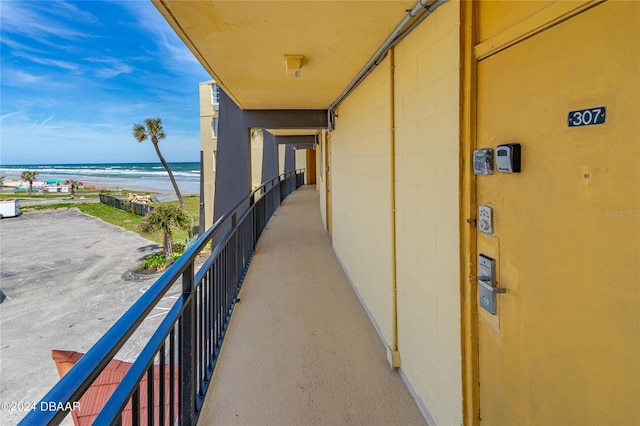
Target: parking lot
[(67, 278)]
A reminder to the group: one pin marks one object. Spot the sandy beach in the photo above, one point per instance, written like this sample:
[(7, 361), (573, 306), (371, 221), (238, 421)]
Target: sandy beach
[(132, 177), (108, 184)]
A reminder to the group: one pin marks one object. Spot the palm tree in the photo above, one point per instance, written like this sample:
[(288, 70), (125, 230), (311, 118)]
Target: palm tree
[(162, 218), (73, 186), (152, 129), (29, 176)]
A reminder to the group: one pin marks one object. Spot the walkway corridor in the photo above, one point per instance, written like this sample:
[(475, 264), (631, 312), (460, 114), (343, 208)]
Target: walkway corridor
[(300, 349)]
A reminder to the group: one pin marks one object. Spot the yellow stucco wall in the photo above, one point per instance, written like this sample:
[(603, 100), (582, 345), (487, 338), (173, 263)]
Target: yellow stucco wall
[(301, 159), (427, 194), (497, 16), (361, 195)]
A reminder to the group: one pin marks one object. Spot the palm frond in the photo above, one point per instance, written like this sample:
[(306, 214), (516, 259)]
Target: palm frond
[(165, 216), (139, 132)]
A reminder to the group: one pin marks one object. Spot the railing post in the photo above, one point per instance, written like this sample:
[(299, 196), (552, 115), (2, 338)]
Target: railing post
[(234, 226), (187, 349), (283, 189), (254, 219)]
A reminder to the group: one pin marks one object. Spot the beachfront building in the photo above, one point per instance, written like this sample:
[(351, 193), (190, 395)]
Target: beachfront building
[(476, 168), (288, 157), (209, 95)]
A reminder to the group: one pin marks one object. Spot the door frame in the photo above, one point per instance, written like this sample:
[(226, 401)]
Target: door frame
[(311, 167), (467, 214)]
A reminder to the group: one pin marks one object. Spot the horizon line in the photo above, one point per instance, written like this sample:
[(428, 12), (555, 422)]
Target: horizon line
[(97, 163)]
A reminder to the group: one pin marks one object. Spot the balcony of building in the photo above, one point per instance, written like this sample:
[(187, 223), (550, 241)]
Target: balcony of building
[(298, 349)]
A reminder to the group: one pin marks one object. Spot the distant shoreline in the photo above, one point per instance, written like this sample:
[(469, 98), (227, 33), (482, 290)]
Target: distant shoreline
[(103, 184), (140, 177)]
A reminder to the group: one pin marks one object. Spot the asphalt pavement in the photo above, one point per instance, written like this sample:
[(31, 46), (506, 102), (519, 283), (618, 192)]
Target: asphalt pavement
[(67, 278)]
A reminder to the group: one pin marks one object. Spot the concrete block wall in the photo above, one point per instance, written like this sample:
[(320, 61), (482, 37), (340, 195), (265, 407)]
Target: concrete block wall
[(257, 148), (426, 107), (361, 192), (282, 149), (427, 65)]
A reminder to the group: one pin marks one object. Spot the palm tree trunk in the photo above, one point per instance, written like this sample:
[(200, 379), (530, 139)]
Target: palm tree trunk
[(173, 180), (168, 242)]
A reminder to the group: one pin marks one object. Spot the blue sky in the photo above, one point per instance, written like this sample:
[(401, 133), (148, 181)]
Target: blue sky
[(76, 75)]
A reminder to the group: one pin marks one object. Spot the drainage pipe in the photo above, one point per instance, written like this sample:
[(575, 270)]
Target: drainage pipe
[(394, 356), (421, 10)]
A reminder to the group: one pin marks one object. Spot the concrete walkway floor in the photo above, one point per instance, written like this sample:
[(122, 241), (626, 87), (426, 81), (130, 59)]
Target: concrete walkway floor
[(300, 349)]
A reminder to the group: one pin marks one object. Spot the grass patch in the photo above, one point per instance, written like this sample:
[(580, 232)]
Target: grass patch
[(191, 204), (127, 221), (48, 195), (48, 207), (114, 216)]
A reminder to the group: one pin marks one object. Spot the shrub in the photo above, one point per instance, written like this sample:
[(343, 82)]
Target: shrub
[(158, 261), (162, 218), (155, 261)]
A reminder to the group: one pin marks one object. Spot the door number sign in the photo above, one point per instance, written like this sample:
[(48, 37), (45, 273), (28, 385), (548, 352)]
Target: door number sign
[(587, 117)]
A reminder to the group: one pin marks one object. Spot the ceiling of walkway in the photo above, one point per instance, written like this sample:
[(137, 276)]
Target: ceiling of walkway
[(243, 44)]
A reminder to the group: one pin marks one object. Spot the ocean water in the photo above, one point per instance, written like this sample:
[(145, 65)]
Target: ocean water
[(116, 175)]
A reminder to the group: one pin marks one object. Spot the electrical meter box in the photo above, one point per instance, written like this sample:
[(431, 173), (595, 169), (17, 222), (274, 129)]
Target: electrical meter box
[(508, 158), (483, 161)]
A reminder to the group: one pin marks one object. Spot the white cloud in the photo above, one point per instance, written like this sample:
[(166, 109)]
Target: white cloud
[(112, 67), (66, 65), (22, 78), (24, 18), (45, 121), (8, 115), (173, 51), (71, 12)]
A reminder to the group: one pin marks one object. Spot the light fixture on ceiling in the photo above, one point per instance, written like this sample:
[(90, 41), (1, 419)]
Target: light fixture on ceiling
[(292, 64)]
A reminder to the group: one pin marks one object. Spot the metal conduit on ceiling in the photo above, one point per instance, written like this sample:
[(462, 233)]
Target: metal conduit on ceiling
[(414, 17)]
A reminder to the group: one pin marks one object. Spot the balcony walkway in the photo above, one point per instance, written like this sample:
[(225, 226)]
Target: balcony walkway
[(300, 349)]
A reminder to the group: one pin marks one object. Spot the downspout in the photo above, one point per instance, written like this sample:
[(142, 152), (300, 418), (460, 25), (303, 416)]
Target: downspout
[(421, 10), (394, 353)]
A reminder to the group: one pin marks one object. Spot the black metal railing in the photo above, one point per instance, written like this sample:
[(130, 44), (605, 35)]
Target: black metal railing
[(137, 208), (167, 382)]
